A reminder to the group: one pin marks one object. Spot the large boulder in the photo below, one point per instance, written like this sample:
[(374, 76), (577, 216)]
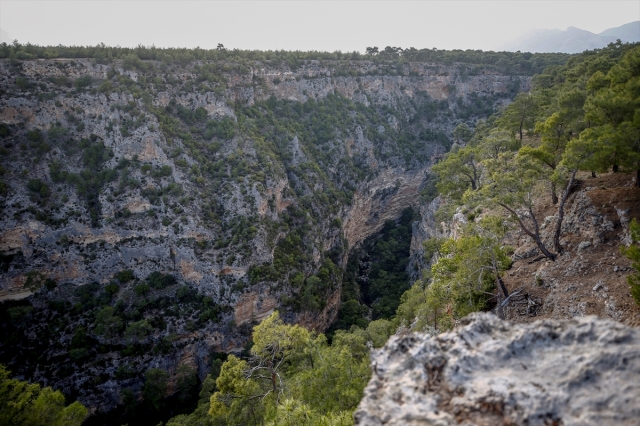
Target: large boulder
[(583, 371)]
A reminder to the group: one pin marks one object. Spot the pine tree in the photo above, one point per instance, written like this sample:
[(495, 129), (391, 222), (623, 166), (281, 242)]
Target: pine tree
[(633, 253)]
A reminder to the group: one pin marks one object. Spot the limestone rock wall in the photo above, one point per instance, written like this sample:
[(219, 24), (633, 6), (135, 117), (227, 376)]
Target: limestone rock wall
[(423, 229), (143, 247), (381, 199)]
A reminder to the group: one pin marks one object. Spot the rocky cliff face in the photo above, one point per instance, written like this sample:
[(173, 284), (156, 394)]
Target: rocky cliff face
[(389, 187), (423, 229), (381, 199), (249, 182), (493, 372)]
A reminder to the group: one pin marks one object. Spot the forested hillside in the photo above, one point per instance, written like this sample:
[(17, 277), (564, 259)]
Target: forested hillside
[(518, 174), (161, 204)]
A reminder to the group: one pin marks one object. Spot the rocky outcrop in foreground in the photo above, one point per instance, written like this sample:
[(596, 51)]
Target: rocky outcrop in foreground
[(490, 372)]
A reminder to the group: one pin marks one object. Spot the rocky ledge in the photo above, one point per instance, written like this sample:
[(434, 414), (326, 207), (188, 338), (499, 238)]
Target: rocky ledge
[(490, 372)]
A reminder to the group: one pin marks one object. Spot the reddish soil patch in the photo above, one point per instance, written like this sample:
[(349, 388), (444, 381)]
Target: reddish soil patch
[(609, 198)]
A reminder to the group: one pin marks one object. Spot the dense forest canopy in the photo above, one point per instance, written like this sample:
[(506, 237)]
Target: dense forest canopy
[(511, 62), (23, 403)]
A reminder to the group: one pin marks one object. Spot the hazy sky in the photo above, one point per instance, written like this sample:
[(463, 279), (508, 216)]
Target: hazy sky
[(302, 24)]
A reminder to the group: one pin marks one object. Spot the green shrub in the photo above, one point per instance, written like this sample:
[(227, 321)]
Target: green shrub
[(129, 400), (62, 80), (57, 133), (17, 314), (155, 387), (95, 155), (37, 186), (142, 289), (125, 276), (222, 129), (138, 331), (107, 323), (125, 372), (633, 254), (186, 382), (111, 289), (35, 135), (78, 355), (24, 56), (159, 280), (105, 87), (163, 171), (86, 293), (28, 404), (22, 83), (82, 82), (132, 61)]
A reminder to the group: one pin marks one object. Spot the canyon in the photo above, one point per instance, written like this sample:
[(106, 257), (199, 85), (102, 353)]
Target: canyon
[(243, 180)]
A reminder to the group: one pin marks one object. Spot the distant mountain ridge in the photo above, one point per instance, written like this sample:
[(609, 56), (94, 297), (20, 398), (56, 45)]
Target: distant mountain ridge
[(5, 37), (572, 40)]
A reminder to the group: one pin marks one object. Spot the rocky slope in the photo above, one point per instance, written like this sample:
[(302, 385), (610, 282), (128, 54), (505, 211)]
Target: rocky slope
[(493, 372), (590, 278), (247, 181)]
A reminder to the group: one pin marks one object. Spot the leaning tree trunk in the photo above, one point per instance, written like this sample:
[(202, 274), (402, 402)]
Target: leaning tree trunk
[(558, 230), (499, 309), (637, 179), (499, 280), (554, 196), (535, 234), (502, 287), (520, 130)]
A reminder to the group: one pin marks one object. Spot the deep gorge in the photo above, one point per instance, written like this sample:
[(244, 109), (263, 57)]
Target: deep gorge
[(160, 209)]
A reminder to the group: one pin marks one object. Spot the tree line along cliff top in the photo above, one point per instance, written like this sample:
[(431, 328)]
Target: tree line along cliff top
[(520, 63)]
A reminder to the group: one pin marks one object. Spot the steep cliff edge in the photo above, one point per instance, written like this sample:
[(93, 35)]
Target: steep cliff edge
[(493, 372)]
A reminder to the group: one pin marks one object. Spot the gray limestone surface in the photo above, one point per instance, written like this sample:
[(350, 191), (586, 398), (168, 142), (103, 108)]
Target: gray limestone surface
[(582, 371)]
